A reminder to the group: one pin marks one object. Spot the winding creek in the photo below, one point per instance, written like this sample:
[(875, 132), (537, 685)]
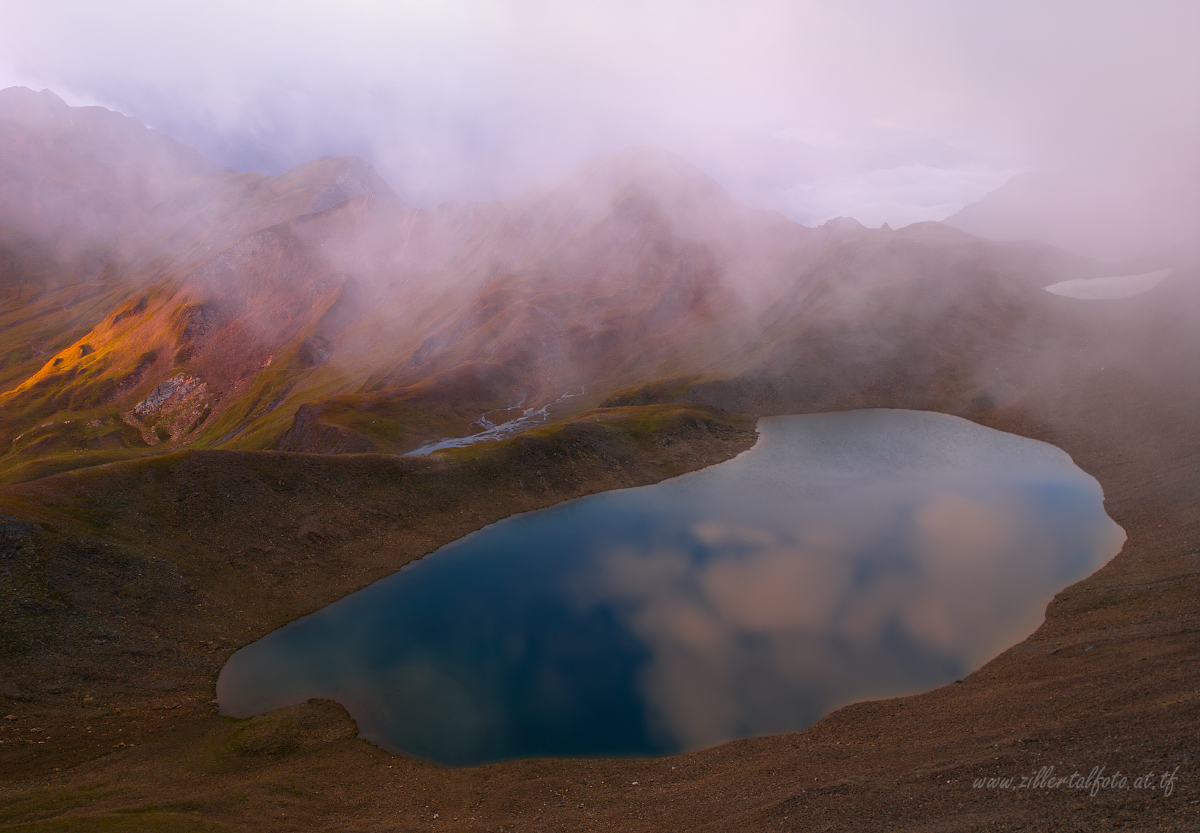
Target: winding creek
[(847, 556), (490, 430)]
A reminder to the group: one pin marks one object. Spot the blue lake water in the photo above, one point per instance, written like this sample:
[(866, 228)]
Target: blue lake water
[(847, 556)]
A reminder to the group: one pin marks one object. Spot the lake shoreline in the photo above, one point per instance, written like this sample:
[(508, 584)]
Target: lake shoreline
[(848, 555)]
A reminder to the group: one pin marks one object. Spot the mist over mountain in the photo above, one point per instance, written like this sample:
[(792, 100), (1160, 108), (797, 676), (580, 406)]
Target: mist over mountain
[(156, 300), (1120, 215), (86, 176)]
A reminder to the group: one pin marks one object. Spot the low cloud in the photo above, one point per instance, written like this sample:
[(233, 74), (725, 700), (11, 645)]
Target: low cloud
[(924, 105)]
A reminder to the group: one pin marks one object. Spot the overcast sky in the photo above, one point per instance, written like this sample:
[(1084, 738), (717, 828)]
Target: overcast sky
[(887, 111)]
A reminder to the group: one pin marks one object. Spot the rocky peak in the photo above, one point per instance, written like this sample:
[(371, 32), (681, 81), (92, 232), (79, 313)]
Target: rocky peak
[(22, 106), (346, 177)]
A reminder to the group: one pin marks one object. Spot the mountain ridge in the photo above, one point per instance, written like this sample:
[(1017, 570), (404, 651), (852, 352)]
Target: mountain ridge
[(1128, 218), (304, 298)]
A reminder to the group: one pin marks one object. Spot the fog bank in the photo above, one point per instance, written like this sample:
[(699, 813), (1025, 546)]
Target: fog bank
[(887, 112)]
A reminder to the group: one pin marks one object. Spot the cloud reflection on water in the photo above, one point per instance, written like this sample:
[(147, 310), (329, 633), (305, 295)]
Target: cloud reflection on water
[(752, 631)]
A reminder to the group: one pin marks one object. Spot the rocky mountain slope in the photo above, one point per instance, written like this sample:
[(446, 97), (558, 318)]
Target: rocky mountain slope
[(173, 303)]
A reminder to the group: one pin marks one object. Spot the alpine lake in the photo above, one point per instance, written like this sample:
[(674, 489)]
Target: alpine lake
[(847, 556)]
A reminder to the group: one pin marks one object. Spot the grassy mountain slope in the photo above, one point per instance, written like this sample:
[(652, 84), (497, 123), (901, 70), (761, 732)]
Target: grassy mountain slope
[(313, 310)]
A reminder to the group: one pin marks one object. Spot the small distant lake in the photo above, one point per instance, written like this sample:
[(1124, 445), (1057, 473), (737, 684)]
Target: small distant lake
[(847, 556)]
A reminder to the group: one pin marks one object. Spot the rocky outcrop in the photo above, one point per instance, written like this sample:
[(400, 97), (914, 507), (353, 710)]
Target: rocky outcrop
[(311, 436), (199, 320), (174, 409), (314, 350), (173, 391)]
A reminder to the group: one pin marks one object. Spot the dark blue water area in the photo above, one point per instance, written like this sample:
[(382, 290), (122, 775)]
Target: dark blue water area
[(845, 557)]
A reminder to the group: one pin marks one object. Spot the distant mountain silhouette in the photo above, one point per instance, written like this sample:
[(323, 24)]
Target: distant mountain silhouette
[(1112, 217)]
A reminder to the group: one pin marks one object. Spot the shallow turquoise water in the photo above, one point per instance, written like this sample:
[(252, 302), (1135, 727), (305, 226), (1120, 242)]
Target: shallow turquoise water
[(847, 556)]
